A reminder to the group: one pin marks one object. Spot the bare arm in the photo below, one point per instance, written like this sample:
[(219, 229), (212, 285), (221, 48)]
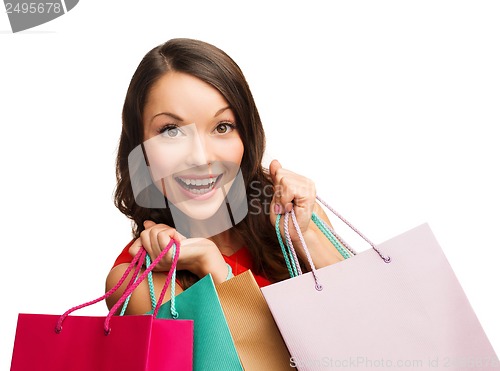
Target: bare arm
[(321, 249), (140, 301)]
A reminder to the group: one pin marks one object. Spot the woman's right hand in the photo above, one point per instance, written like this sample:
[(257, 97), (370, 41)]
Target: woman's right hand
[(197, 255)]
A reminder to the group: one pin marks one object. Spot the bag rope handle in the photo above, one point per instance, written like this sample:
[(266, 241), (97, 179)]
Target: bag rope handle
[(346, 251), (136, 263), (136, 275), (283, 250), (144, 274), (154, 302), (318, 285), (385, 258), (137, 259), (291, 249)]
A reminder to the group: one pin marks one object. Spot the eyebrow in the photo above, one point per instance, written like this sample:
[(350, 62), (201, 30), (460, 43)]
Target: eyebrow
[(175, 117), (221, 110)]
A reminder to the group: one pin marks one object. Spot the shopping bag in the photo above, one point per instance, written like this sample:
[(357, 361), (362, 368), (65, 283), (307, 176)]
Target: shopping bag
[(398, 305), (109, 343), (213, 344), (255, 334)]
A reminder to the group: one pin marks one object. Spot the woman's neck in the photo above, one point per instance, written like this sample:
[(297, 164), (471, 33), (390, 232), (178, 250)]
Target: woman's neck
[(228, 242)]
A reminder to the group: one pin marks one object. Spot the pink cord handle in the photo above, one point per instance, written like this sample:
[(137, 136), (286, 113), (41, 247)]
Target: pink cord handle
[(318, 284), (137, 262), (290, 243), (386, 259)]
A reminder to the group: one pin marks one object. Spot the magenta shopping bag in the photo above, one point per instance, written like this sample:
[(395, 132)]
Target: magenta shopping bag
[(85, 343), (397, 306)]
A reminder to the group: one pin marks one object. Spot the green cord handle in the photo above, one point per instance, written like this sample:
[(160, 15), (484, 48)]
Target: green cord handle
[(321, 225), (151, 286), (287, 251), (284, 249), (174, 313)]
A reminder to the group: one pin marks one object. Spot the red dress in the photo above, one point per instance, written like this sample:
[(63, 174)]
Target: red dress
[(240, 262)]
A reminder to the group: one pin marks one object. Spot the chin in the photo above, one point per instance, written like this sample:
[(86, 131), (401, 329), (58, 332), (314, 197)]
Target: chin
[(202, 209)]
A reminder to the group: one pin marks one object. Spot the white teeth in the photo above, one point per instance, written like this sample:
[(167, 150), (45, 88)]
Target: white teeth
[(199, 182), (199, 191)]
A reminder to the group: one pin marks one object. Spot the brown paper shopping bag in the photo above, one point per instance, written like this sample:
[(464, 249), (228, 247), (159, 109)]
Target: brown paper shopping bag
[(255, 334)]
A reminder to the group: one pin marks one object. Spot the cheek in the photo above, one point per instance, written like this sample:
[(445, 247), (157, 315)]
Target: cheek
[(163, 162), (233, 151)]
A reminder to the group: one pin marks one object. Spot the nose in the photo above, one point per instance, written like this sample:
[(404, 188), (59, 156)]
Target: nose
[(199, 153)]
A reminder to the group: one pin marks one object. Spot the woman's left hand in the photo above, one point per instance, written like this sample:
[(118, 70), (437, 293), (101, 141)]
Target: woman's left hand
[(292, 191)]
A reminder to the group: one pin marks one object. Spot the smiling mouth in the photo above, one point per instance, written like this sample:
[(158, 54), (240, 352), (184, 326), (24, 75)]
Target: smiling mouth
[(199, 186)]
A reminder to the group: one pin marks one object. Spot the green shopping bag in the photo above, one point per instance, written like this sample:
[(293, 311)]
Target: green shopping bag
[(214, 348)]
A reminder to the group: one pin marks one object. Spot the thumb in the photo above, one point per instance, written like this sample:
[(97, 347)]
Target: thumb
[(148, 224), (274, 166), (136, 246)]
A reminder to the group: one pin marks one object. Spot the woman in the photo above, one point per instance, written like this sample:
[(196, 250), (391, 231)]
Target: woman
[(190, 119)]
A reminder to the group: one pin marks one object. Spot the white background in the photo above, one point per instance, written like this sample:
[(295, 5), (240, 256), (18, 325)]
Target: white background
[(392, 107)]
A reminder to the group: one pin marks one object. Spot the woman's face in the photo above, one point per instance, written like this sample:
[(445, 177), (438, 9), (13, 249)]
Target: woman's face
[(191, 141)]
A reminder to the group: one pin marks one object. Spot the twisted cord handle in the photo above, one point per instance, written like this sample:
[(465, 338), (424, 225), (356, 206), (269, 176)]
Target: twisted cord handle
[(318, 285), (171, 273), (291, 249), (139, 280), (173, 312), (386, 259), (150, 283), (154, 303), (136, 262), (135, 276), (282, 245), (345, 250)]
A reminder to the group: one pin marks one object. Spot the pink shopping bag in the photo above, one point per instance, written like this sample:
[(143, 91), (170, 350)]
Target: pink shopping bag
[(398, 306), (85, 343)]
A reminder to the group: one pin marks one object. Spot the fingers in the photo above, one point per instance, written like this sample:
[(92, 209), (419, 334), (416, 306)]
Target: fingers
[(276, 203), (136, 246), (155, 238), (273, 168), (284, 192), (148, 224), (291, 192), (283, 196)]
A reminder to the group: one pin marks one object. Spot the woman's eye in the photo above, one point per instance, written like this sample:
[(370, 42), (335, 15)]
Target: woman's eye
[(171, 131), (224, 128)]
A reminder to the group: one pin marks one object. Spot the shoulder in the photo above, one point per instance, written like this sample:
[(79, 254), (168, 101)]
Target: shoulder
[(124, 256)]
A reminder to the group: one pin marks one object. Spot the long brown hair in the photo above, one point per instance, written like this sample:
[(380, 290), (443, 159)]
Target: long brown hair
[(213, 66)]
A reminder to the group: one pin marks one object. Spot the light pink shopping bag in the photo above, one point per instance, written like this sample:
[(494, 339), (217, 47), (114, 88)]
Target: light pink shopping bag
[(409, 313), (109, 343)]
